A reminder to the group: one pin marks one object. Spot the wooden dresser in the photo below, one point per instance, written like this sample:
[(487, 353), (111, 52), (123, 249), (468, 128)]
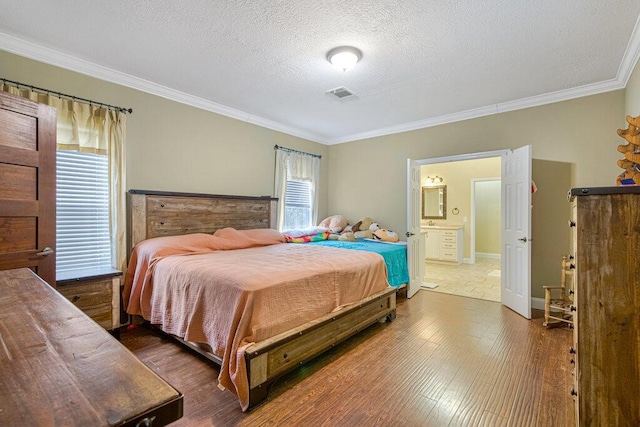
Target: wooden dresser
[(606, 350), (60, 368), (96, 293)]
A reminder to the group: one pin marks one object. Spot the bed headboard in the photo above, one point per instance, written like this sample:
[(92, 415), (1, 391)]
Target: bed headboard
[(159, 213)]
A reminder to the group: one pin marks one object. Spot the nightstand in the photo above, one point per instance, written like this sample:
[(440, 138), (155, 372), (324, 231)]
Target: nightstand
[(96, 292)]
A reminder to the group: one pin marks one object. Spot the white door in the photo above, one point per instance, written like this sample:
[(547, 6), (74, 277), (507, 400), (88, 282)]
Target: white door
[(415, 242), (516, 230)]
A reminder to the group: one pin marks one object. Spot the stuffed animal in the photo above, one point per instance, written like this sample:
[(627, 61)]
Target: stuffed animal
[(335, 223), (361, 228), (385, 235), (362, 225), (347, 237), (364, 234)]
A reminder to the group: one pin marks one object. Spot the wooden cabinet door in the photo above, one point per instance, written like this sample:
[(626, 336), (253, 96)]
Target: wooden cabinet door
[(27, 186)]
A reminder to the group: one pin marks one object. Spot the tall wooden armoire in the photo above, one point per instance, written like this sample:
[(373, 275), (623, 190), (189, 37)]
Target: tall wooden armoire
[(606, 349)]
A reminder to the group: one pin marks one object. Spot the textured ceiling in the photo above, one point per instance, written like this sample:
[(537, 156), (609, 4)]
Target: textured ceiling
[(424, 61)]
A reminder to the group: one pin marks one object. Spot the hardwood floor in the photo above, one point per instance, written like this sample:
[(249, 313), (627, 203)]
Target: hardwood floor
[(445, 361)]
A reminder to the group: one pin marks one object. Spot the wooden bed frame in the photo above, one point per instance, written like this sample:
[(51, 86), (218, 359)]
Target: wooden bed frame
[(153, 214)]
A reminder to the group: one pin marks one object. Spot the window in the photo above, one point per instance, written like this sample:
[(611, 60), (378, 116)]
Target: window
[(297, 176), (82, 210), (298, 208)]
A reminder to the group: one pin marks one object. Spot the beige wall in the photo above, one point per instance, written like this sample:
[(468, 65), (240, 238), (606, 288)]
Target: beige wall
[(632, 100), (175, 147), (550, 214), (488, 217)]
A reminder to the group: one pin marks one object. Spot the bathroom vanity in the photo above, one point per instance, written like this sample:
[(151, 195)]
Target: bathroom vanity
[(444, 243)]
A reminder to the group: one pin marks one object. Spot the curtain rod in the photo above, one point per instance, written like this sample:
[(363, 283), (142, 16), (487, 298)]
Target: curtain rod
[(291, 150), (64, 95)]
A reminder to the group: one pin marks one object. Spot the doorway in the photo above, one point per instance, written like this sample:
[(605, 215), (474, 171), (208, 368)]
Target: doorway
[(548, 240), (474, 194), (515, 233)]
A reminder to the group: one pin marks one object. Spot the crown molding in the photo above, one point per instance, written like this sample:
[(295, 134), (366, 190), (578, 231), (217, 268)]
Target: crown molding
[(561, 95), (534, 101), (59, 59), (279, 127), (420, 124), (631, 55), (43, 54)]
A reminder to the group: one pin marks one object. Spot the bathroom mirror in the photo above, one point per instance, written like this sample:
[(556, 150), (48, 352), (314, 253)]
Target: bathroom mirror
[(434, 202)]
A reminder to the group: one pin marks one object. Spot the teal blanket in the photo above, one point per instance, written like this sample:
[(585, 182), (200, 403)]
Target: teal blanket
[(395, 256)]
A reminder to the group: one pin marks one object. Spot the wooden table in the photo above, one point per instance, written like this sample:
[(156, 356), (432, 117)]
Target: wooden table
[(60, 368)]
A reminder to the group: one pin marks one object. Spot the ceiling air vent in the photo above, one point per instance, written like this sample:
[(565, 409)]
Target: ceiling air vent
[(341, 92)]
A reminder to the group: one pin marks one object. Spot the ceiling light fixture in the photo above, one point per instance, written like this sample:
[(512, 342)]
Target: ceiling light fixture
[(344, 57)]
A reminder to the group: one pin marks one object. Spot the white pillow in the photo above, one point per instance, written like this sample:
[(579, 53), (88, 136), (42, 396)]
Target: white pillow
[(310, 231)]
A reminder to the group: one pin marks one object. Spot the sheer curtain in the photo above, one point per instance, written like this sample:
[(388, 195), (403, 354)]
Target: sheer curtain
[(299, 167), (93, 129)]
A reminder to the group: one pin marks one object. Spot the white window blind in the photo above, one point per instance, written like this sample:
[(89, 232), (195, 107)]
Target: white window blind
[(82, 210), (298, 209)]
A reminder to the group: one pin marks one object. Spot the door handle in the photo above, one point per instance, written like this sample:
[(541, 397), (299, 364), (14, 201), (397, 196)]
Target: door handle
[(524, 239), (45, 252), (409, 234)]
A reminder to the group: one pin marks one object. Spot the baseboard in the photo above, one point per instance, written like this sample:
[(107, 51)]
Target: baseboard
[(487, 255), (537, 303)]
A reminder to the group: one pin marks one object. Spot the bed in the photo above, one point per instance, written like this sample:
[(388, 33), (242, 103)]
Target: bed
[(394, 254), (191, 264)]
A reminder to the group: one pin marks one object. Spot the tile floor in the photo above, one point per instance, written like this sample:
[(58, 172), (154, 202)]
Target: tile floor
[(480, 280)]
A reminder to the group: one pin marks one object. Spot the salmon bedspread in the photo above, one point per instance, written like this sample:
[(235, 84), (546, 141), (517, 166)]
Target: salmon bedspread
[(236, 288)]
